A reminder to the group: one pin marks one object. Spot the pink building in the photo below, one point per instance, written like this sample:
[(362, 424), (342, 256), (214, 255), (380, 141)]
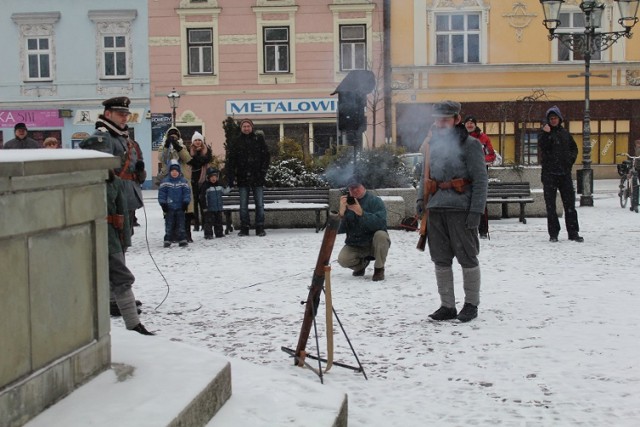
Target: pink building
[(273, 61)]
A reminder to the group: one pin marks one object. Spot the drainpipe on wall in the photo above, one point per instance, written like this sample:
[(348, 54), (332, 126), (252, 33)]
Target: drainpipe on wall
[(386, 59)]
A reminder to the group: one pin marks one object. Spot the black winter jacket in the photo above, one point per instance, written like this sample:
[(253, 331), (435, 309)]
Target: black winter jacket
[(558, 151), (248, 161)]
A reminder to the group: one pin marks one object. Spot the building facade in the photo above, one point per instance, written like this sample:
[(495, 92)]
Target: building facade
[(276, 62), (495, 58), (62, 59)]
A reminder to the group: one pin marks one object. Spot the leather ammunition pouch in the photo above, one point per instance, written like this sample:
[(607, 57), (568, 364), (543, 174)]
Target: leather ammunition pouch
[(117, 221), (457, 184)]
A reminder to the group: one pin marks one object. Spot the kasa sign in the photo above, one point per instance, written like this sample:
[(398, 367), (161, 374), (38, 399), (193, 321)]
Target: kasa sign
[(282, 106)]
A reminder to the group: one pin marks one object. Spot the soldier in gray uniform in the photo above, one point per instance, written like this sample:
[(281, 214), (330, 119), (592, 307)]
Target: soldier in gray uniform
[(457, 184), (112, 136)]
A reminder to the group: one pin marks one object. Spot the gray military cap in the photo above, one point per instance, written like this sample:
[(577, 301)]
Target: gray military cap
[(446, 109)]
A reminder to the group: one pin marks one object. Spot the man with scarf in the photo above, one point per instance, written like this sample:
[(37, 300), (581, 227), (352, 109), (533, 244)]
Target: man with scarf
[(112, 136), (457, 184)]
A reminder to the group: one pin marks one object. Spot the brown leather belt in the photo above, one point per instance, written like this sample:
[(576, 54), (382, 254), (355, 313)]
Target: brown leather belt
[(116, 220), (457, 184)]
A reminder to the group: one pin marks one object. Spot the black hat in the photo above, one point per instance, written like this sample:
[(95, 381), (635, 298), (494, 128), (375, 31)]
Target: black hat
[(120, 103), (470, 119), (19, 126), (354, 180), (173, 131), (446, 109), (212, 171)]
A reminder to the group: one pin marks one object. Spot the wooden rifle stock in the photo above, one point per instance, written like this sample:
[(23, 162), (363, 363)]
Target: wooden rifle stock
[(317, 283), (422, 240)]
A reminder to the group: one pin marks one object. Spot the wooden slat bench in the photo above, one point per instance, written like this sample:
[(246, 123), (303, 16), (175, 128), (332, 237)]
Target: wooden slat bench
[(510, 192), (282, 199)]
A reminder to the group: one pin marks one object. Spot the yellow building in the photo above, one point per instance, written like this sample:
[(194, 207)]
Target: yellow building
[(494, 56)]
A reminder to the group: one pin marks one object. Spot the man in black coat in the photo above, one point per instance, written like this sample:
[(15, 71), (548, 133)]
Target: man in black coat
[(247, 165), (22, 140), (558, 152)]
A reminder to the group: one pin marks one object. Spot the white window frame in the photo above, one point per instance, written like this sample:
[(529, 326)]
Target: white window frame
[(265, 18), (570, 28), (199, 49), (41, 55), (193, 17), (37, 26), (343, 12), (349, 48), (465, 33), (112, 55), (478, 7), (274, 48), (113, 23)]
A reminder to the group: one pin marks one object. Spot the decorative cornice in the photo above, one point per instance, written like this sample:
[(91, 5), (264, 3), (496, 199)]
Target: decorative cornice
[(455, 4), (114, 90), (314, 38), (113, 15), (36, 18), (519, 18), (188, 4), (238, 39), (38, 91), (164, 41), (633, 77), (406, 83)]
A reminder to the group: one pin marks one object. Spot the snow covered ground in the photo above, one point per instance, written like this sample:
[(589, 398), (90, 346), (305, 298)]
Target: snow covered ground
[(556, 341)]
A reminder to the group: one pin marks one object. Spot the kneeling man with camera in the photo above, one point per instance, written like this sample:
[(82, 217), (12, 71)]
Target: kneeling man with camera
[(364, 220)]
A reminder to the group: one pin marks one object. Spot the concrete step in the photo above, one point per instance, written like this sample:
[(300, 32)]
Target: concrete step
[(153, 382)]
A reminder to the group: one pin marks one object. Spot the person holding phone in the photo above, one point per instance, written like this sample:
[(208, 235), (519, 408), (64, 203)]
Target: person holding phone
[(364, 220)]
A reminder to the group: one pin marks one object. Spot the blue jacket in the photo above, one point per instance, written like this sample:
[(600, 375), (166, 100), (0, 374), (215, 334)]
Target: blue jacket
[(360, 229), (211, 196), (174, 192)]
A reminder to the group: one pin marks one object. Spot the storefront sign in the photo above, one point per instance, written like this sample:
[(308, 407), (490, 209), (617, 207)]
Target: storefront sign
[(31, 118), (282, 106), (89, 117)]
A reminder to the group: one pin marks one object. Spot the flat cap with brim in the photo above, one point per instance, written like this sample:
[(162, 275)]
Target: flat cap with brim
[(120, 103), (446, 109), (354, 180)]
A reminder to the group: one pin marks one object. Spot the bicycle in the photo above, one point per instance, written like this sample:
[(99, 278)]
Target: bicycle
[(628, 171)]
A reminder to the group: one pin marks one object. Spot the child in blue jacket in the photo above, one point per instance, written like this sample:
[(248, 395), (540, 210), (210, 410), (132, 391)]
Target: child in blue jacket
[(174, 196), (211, 193)]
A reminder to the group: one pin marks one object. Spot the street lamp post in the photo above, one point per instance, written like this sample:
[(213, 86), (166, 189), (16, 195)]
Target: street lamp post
[(587, 43), (174, 101)]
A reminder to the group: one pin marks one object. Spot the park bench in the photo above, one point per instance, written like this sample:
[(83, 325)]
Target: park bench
[(505, 193), (282, 199)]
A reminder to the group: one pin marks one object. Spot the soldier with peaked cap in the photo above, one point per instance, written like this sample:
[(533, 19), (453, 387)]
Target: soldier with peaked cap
[(457, 184), (112, 136)]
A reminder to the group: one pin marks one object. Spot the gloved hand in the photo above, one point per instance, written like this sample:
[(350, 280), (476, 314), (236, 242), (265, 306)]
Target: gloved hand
[(164, 207), (139, 166), (167, 142), (185, 206), (419, 207), (473, 220), (176, 144)]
